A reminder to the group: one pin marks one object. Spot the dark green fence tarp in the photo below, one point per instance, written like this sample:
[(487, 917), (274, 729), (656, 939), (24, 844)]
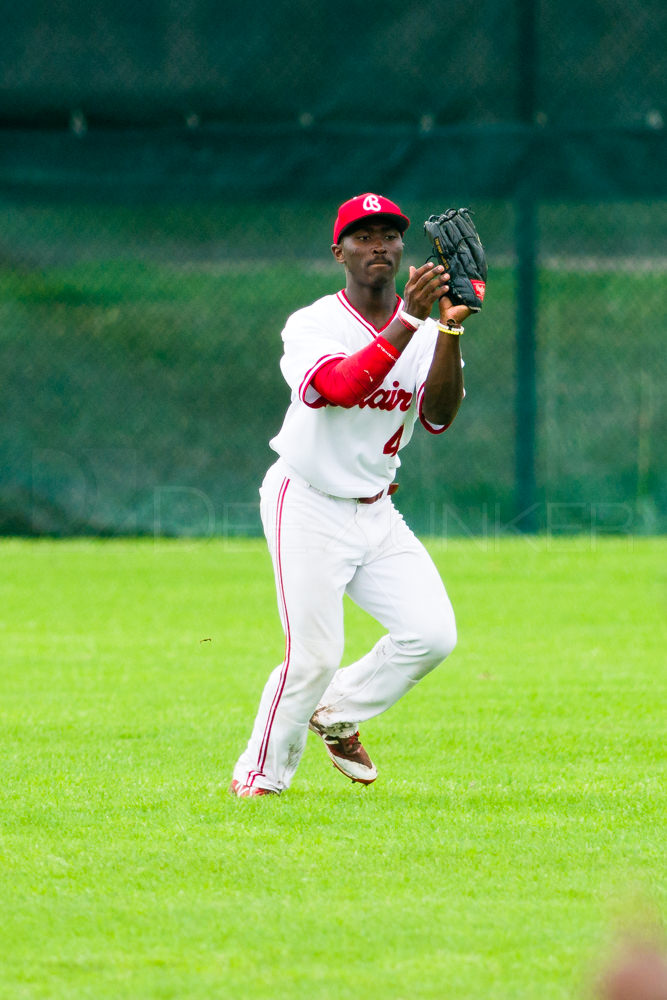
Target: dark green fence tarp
[(168, 181)]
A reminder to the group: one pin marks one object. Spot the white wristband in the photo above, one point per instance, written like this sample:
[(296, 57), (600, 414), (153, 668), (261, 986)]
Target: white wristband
[(412, 320)]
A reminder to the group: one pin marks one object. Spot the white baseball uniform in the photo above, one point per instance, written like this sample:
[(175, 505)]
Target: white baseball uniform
[(325, 543)]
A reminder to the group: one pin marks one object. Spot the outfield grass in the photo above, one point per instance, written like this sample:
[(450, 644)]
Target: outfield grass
[(519, 814)]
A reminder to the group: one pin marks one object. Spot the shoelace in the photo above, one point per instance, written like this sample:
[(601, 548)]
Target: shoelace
[(351, 743), (348, 744)]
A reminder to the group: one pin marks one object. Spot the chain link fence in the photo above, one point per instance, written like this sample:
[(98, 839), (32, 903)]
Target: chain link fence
[(168, 184)]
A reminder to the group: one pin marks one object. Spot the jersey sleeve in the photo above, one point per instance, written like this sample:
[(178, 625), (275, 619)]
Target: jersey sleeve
[(308, 346), (347, 382)]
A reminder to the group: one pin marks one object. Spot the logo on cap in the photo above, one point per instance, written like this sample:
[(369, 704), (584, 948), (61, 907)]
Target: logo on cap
[(371, 203)]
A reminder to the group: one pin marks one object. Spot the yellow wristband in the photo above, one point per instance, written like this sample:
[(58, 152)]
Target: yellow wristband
[(456, 329)]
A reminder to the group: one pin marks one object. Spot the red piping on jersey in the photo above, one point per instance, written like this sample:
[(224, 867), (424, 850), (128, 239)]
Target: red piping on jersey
[(431, 428), (288, 640), (345, 302)]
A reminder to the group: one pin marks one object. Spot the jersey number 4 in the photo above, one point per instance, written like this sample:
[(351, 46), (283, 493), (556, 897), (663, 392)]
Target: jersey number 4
[(394, 443)]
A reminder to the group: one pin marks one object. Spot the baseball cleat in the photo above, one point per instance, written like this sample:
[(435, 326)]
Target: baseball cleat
[(346, 752), (242, 791)]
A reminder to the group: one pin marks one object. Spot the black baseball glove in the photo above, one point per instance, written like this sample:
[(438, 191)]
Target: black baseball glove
[(457, 246)]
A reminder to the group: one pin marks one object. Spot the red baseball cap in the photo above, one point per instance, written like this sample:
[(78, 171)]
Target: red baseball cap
[(363, 205)]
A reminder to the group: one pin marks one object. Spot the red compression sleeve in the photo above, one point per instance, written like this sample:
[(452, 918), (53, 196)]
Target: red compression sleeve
[(347, 382)]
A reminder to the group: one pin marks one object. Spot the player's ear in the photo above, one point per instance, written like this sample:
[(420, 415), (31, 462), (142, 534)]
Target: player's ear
[(337, 251)]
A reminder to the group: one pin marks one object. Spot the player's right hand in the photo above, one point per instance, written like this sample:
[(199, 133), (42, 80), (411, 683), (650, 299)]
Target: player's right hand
[(425, 285)]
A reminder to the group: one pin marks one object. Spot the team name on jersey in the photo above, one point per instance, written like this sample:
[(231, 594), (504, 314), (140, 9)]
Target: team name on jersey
[(388, 399)]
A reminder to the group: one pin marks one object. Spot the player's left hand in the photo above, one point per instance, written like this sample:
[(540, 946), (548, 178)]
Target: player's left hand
[(454, 313), (425, 285)]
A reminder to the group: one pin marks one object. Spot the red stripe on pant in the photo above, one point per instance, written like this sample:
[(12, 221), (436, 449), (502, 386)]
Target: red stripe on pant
[(263, 750)]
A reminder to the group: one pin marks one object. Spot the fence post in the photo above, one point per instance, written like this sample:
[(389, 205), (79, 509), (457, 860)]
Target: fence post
[(526, 237), (526, 361)]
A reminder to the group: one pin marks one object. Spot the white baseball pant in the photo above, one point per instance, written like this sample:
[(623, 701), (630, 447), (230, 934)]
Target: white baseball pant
[(323, 547)]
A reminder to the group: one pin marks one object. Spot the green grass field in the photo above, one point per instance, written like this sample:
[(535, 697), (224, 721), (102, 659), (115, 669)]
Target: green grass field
[(518, 819)]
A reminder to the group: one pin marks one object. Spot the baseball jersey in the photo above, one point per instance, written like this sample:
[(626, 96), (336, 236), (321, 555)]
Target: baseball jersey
[(349, 452)]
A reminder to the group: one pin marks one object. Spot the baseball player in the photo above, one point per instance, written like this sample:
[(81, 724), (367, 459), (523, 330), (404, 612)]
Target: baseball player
[(364, 367)]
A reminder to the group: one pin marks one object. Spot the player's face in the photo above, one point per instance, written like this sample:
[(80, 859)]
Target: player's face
[(371, 253)]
